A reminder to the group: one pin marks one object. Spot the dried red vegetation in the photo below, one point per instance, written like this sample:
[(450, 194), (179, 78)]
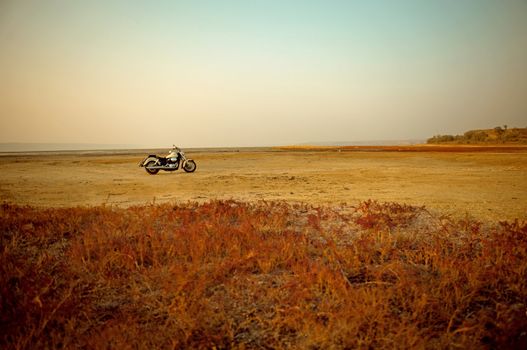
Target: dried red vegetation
[(449, 148), (270, 275)]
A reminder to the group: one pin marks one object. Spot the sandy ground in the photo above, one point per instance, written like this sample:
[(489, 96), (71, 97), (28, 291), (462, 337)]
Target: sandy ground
[(485, 185)]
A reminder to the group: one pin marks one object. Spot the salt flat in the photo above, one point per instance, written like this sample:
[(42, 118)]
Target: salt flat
[(485, 185)]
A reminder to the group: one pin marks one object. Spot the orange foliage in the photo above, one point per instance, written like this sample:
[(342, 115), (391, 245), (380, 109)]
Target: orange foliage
[(507, 148), (230, 274)]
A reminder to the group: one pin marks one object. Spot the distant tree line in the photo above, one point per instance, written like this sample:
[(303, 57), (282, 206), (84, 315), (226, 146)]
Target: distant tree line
[(491, 136)]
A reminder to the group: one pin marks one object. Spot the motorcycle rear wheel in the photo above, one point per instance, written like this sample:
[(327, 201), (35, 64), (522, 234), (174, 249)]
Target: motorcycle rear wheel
[(190, 166), (151, 171)]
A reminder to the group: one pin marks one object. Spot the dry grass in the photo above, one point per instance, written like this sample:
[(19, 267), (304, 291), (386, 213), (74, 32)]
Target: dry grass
[(444, 148), (260, 275)]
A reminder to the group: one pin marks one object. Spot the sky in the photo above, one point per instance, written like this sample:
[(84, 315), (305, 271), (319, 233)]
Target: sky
[(201, 73)]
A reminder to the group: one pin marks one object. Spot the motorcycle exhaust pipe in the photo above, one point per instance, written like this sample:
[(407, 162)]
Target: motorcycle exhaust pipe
[(158, 167)]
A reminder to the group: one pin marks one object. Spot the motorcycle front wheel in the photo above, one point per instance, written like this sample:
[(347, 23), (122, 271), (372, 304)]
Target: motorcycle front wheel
[(151, 171), (190, 166)]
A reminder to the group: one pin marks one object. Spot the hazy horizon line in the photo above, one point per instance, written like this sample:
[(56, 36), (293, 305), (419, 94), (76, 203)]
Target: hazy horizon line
[(85, 146)]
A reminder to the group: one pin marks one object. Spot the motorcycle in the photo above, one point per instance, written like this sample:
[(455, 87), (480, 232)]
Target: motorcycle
[(176, 157)]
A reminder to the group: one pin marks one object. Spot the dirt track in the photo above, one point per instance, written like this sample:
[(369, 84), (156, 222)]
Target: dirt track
[(486, 185)]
